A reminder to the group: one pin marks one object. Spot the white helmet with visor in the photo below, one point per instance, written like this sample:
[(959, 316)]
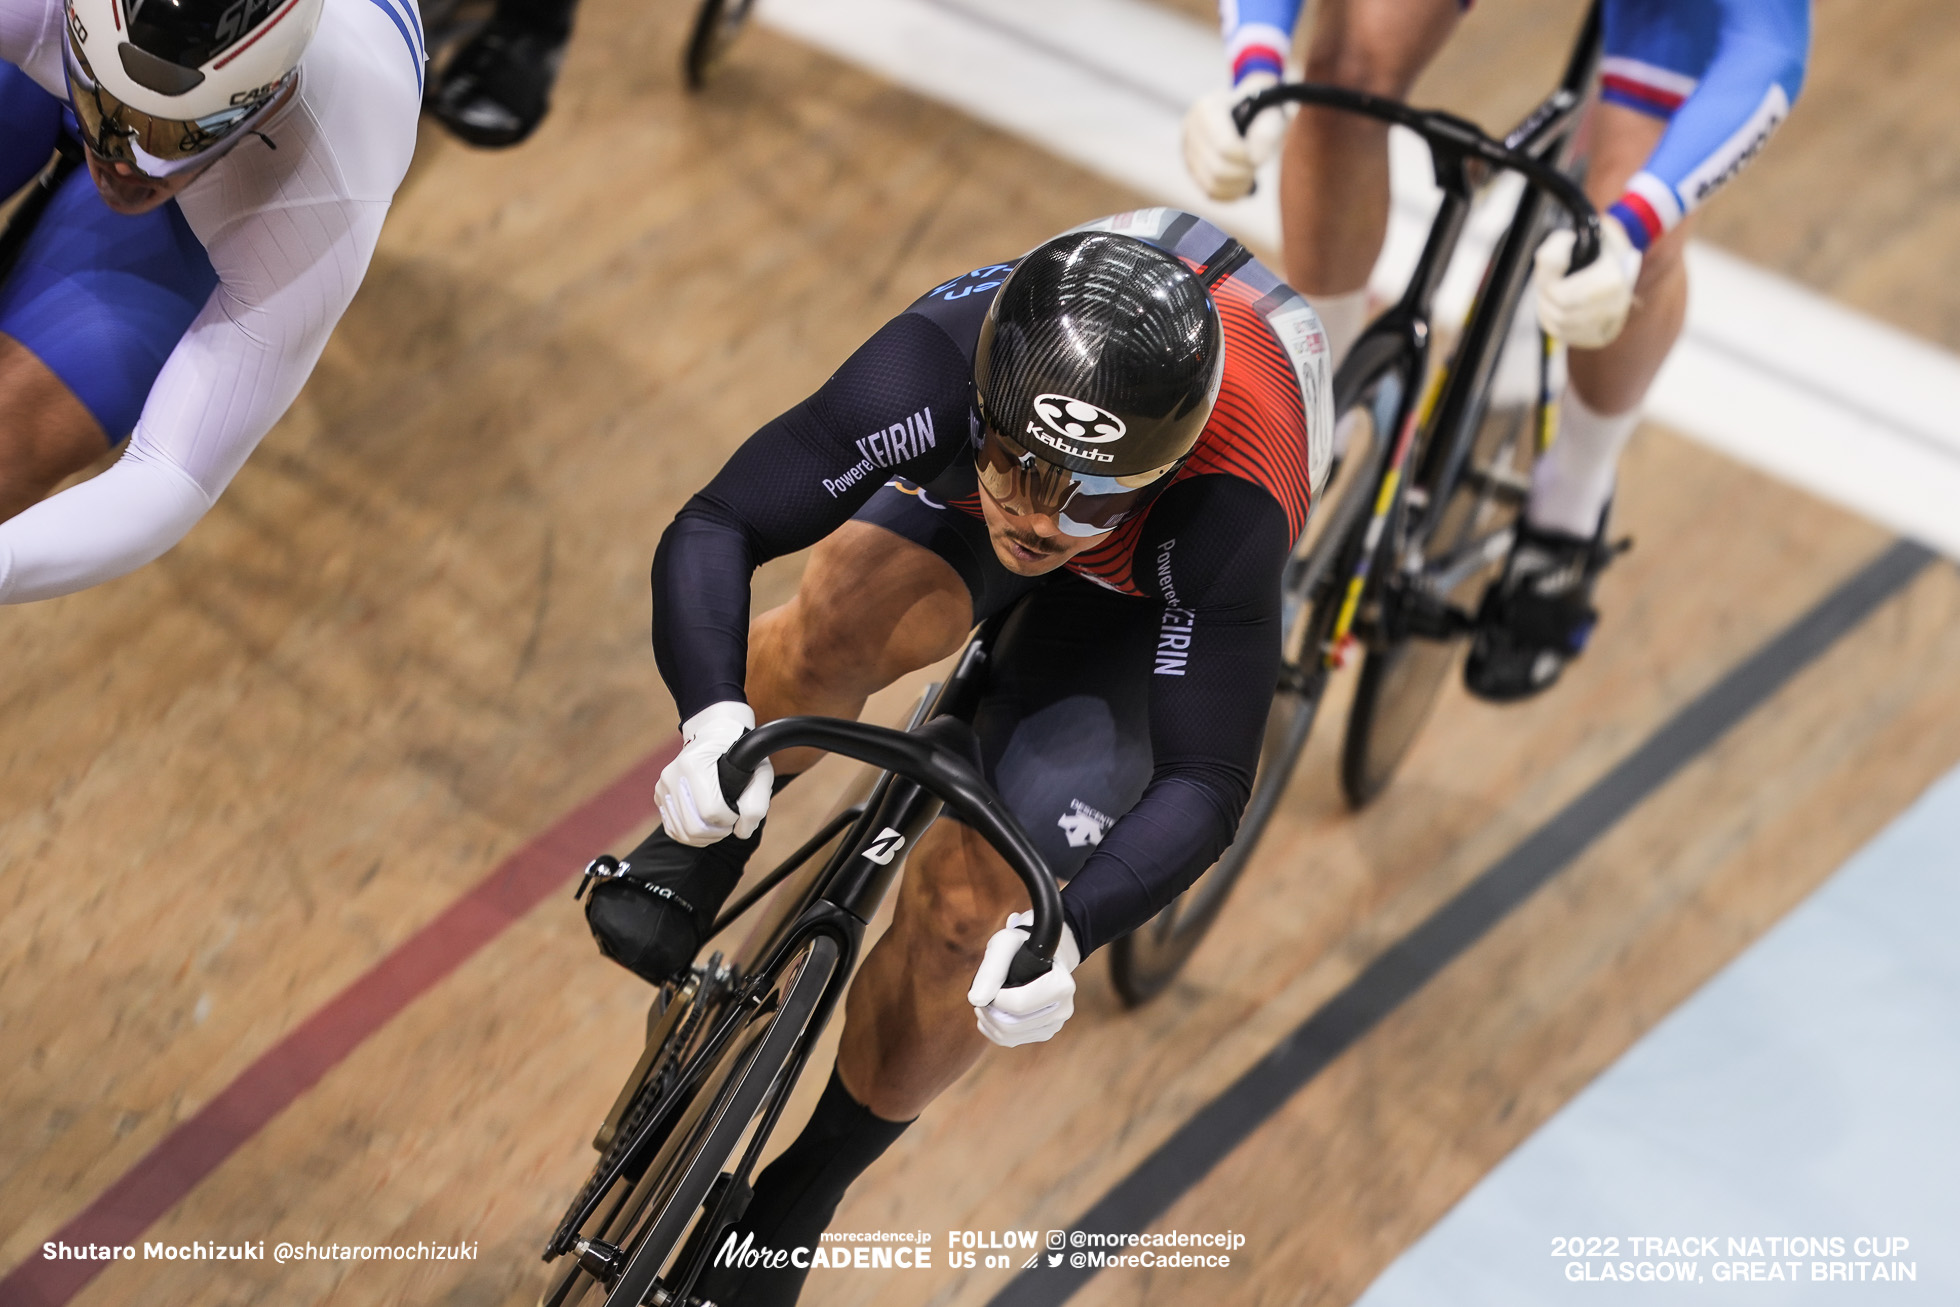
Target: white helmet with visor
[(163, 85)]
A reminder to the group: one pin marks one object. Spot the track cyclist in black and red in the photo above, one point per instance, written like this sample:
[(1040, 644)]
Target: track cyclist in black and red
[(1117, 435)]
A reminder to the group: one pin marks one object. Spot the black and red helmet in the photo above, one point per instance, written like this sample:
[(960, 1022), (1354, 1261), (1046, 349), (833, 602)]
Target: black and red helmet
[(1101, 354)]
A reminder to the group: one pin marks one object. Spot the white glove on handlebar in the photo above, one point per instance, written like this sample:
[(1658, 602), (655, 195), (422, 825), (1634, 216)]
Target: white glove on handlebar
[(1222, 161), (1586, 309), (1030, 1013), (689, 792)]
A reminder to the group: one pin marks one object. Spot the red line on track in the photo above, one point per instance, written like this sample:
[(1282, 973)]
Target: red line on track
[(201, 1143)]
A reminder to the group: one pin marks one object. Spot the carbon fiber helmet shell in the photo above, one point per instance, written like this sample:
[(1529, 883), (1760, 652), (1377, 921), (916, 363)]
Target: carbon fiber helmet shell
[(1102, 354), (190, 59)]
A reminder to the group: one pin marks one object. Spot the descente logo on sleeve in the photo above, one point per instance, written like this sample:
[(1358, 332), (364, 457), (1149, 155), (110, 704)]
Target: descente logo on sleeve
[(887, 447)]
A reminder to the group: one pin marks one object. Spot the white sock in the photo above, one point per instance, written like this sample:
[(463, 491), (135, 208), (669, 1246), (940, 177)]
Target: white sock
[(1342, 317), (1572, 482)]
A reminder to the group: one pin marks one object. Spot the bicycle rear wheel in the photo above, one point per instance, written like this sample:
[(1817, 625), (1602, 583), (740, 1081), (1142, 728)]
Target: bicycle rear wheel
[(716, 25), (1144, 962), (666, 1202), (1413, 648)]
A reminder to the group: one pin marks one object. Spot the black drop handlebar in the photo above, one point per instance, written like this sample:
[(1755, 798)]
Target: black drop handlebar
[(940, 771), (1447, 135)]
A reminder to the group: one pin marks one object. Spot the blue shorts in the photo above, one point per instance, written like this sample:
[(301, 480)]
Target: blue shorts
[(101, 298)]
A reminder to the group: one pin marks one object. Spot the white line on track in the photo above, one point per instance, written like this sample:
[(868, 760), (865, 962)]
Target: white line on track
[(1767, 372)]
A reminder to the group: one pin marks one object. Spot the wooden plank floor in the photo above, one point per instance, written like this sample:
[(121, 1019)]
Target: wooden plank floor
[(413, 634)]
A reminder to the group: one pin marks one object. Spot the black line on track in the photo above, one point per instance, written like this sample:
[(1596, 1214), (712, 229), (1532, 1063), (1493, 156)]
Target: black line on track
[(1407, 965)]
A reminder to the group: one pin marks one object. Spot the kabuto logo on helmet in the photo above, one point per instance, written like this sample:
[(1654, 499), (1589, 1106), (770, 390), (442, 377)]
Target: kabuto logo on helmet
[(1078, 419)]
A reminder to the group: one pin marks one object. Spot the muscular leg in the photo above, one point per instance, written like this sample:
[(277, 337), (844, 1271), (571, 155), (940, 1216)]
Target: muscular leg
[(1571, 484), (1540, 615), (872, 606), (1334, 178), (1615, 379), (46, 434), (908, 1031), (908, 1034)]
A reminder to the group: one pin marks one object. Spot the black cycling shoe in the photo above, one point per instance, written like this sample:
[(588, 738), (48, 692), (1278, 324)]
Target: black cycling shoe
[(651, 910), (496, 90), (1538, 616)]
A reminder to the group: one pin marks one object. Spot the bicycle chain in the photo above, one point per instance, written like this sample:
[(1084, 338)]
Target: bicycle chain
[(651, 1092)]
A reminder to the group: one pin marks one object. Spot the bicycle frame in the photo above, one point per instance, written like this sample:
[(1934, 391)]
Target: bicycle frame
[(1443, 411), (927, 769)]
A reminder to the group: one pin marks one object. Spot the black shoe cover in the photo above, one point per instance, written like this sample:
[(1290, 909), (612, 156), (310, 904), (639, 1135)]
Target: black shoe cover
[(496, 90), (1537, 617), (796, 1196), (652, 919)]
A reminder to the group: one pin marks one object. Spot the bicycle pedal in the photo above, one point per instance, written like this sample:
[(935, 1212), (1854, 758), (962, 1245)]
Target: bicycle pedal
[(603, 867)]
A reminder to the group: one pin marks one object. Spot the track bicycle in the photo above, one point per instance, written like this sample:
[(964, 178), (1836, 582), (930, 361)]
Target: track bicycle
[(1428, 482), (727, 1041)]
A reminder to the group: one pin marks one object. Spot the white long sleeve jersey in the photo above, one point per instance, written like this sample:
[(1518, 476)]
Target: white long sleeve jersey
[(289, 232)]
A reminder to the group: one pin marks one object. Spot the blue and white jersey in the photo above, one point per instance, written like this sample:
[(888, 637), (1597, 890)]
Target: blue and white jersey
[(1723, 73), (289, 225)]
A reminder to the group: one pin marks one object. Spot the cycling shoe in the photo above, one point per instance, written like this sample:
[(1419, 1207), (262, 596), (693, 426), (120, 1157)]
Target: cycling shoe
[(651, 912)]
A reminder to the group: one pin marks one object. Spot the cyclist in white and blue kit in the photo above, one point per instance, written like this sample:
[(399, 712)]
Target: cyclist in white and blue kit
[(240, 157), (1690, 91)]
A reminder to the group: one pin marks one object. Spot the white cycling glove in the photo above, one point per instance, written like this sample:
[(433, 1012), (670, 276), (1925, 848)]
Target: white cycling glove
[(1587, 308), (1030, 1013), (689, 792), (1221, 161)]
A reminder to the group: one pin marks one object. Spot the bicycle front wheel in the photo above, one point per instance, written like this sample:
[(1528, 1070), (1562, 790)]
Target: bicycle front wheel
[(733, 1089), (1143, 963), (1405, 670)]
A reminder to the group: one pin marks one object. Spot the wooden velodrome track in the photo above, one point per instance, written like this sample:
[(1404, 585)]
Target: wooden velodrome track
[(412, 637)]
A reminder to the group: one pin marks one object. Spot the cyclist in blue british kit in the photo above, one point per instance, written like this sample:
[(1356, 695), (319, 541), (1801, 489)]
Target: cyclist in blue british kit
[(225, 169), (1690, 91)]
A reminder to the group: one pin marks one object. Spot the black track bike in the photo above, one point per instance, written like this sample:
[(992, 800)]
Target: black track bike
[(726, 1043), (1429, 479)]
